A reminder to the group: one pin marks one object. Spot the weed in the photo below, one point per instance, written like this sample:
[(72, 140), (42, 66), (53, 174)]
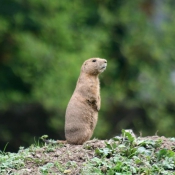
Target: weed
[(128, 155), (45, 169), (3, 152)]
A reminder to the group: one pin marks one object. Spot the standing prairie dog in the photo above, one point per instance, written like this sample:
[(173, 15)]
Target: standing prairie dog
[(82, 110)]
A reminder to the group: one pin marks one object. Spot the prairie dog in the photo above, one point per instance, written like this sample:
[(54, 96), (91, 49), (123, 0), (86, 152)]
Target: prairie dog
[(82, 110)]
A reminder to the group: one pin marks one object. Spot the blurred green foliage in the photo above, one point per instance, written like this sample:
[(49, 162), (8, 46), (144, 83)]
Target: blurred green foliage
[(44, 43)]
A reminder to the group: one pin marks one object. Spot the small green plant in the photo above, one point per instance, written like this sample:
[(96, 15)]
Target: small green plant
[(3, 152), (127, 155), (45, 169), (59, 166), (12, 160)]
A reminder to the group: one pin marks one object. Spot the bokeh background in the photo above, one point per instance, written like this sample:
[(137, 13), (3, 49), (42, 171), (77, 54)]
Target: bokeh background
[(43, 45)]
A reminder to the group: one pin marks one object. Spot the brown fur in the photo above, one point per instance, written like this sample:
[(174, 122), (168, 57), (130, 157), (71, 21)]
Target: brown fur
[(82, 110)]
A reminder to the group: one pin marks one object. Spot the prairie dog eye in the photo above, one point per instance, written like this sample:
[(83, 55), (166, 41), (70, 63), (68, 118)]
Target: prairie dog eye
[(94, 60)]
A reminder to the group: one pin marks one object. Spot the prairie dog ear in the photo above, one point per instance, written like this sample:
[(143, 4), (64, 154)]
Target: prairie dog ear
[(83, 68), (84, 65)]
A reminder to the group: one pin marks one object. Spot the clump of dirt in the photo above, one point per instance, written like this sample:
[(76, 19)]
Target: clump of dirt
[(70, 159)]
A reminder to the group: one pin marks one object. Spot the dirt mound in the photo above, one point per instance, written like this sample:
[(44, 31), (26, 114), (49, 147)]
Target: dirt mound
[(71, 159)]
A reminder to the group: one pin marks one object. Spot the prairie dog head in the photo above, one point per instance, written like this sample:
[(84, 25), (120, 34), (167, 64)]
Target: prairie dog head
[(94, 66)]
